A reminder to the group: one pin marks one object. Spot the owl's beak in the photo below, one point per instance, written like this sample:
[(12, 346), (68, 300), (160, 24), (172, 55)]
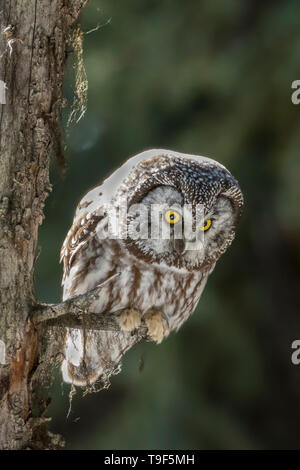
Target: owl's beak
[(188, 245), (179, 245), (182, 245)]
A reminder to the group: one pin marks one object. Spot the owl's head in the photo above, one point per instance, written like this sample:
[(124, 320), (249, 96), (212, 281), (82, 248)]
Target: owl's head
[(182, 209)]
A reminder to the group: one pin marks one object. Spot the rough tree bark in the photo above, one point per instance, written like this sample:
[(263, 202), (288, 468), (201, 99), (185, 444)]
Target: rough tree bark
[(33, 39)]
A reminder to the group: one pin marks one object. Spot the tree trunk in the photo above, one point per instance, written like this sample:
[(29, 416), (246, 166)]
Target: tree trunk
[(33, 39)]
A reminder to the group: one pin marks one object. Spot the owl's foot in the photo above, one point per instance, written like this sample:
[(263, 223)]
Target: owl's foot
[(157, 325), (129, 319)]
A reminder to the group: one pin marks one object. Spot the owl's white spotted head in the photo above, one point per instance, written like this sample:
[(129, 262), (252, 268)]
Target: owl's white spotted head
[(179, 185)]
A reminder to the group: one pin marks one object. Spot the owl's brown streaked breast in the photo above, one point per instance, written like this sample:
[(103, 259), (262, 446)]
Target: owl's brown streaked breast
[(139, 285)]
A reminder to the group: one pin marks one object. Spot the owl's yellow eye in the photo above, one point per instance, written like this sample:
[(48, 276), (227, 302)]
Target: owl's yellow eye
[(172, 217), (207, 224)]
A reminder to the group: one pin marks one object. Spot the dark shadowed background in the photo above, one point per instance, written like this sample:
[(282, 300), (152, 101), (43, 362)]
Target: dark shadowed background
[(212, 78)]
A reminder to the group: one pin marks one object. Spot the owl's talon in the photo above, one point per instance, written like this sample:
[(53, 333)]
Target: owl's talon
[(129, 319), (157, 325)]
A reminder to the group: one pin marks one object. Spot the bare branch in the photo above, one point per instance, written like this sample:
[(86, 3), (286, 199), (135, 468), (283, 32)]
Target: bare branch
[(76, 306), (74, 313)]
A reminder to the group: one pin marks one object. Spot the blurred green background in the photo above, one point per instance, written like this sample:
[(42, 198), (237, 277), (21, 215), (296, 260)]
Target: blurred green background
[(211, 78)]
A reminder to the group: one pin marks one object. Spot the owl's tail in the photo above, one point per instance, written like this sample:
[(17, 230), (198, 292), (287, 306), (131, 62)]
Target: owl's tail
[(91, 354)]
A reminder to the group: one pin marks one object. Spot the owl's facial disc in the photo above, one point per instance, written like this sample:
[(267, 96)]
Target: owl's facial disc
[(185, 236), (178, 187)]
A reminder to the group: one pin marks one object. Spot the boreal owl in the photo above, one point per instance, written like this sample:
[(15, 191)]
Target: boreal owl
[(156, 280)]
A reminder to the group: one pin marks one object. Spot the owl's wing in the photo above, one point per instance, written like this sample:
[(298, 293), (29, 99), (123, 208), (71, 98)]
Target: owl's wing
[(88, 353), (80, 233), (89, 212)]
